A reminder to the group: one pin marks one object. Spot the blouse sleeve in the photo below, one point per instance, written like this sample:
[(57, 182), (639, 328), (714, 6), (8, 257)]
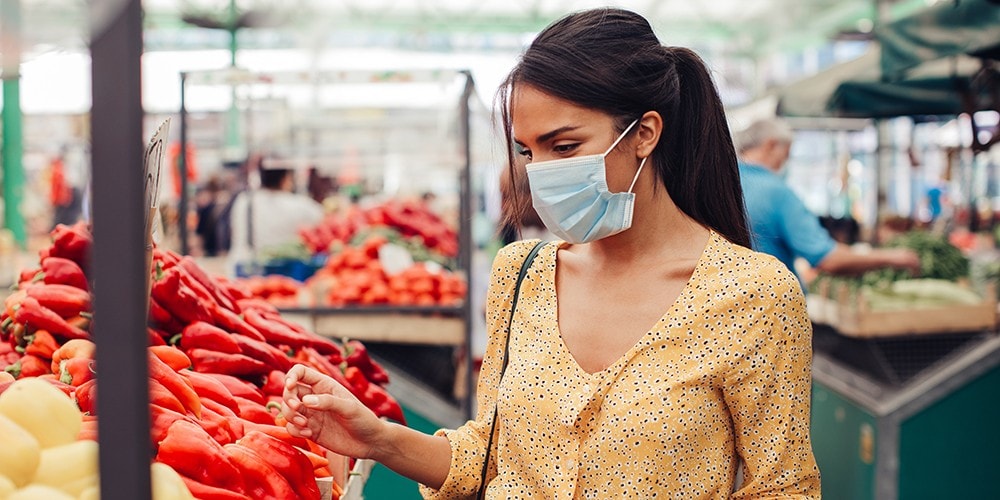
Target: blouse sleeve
[(767, 391), (468, 442)]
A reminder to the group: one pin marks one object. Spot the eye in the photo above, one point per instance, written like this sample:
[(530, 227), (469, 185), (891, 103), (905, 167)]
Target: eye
[(522, 151), (565, 148)]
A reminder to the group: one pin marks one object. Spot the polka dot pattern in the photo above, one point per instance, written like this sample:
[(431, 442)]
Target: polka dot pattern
[(723, 377)]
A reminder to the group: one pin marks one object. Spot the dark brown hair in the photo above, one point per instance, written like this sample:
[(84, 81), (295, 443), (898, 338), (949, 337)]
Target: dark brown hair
[(610, 60)]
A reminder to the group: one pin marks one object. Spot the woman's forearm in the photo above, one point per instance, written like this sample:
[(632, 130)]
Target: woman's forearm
[(421, 457)]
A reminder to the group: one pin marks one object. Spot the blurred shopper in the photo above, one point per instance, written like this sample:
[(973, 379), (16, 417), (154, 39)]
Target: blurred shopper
[(269, 217), (782, 225), (675, 352)]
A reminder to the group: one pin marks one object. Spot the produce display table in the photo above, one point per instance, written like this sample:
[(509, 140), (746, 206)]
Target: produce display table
[(408, 325), (906, 417)]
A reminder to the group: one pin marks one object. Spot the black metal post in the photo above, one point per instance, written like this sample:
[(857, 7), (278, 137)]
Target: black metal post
[(118, 260), (182, 210), (466, 242)]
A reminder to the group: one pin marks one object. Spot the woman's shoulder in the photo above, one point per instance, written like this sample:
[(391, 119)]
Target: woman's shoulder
[(751, 267), (515, 252)]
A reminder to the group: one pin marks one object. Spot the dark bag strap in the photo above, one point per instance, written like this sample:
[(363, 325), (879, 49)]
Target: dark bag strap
[(503, 366)]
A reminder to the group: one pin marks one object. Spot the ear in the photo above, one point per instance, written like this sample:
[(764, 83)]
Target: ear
[(650, 128)]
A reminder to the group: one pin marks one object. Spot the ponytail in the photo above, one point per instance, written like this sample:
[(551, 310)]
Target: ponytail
[(696, 157)]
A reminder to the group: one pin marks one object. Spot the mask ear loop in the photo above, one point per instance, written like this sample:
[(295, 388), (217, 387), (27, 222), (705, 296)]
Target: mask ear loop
[(620, 137), (637, 172)]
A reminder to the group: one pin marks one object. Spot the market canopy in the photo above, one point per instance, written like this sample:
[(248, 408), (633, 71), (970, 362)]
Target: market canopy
[(948, 86), (950, 28)]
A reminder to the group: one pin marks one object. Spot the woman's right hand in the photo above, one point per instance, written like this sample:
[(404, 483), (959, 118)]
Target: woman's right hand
[(318, 407)]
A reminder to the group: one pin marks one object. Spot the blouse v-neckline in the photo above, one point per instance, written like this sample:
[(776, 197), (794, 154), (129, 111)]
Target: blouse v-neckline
[(549, 282)]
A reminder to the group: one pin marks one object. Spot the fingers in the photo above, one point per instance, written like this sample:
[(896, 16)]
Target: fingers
[(301, 374)]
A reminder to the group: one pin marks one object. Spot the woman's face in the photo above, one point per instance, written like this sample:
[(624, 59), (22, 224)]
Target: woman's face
[(549, 128)]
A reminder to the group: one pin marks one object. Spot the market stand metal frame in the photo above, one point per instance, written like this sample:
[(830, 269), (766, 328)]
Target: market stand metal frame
[(415, 325), (119, 249)]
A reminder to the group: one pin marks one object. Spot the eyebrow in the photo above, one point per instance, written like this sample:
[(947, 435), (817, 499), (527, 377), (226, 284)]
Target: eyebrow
[(549, 135)]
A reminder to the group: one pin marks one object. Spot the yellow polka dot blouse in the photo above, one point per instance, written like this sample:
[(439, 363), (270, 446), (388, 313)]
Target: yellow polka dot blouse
[(723, 376)]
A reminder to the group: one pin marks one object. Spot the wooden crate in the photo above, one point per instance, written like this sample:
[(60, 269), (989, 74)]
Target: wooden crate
[(850, 315), (355, 480)]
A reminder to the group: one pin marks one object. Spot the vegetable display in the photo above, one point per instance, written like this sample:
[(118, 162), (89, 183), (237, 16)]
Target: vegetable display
[(217, 360)]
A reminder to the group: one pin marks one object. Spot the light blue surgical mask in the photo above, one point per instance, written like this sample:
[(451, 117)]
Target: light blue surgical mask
[(572, 198)]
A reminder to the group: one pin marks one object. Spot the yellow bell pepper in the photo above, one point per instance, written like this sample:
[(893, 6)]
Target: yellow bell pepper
[(167, 483), (39, 492), (71, 468), (91, 493), (44, 411), (6, 487), (19, 454)]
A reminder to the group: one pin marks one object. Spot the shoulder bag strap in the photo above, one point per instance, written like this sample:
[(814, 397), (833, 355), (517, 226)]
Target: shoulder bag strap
[(503, 366)]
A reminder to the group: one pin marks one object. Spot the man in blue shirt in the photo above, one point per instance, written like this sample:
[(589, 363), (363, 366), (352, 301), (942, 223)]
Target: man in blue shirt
[(782, 225)]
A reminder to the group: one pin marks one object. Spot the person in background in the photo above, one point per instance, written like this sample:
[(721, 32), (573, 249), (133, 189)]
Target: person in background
[(675, 354), (270, 216), (782, 225)]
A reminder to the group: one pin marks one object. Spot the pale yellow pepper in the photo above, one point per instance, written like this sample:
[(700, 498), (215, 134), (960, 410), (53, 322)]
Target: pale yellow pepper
[(44, 411), (19, 454)]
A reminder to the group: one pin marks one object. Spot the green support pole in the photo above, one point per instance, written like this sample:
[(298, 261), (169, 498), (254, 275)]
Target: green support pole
[(12, 151), (233, 115)]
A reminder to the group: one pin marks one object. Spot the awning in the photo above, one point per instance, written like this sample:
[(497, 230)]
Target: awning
[(943, 87), (953, 27)]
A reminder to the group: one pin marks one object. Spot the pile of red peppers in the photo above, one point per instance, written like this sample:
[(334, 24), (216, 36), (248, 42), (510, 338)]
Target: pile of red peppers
[(217, 362)]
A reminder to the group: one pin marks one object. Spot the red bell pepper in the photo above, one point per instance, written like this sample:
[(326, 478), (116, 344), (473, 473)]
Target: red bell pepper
[(192, 452), (239, 387), (179, 300), (262, 351), (230, 321), (207, 361), (221, 295), (175, 383), (162, 319), (86, 397), (216, 426), (316, 360), (202, 491), (166, 257), (72, 242), (28, 276), (57, 270), (262, 480), (172, 356), (274, 332), (288, 460), (76, 371), (28, 366), (76, 348), (33, 314), (236, 423), (357, 355), (322, 344), (254, 412), (155, 337), (162, 397), (276, 432), (374, 396), (64, 300), (160, 421), (211, 389), (207, 336), (274, 383), (41, 344)]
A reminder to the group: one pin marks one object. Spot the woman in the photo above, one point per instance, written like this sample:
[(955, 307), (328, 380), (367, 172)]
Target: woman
[(651, 351)]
